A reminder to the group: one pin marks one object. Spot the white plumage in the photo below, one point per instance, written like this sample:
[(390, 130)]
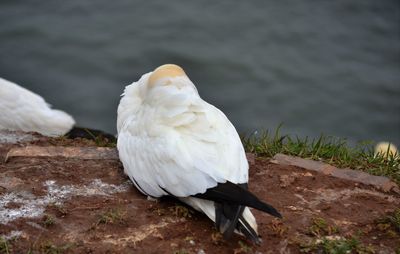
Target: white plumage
[(386, 149), (171, 142), (23, 110)]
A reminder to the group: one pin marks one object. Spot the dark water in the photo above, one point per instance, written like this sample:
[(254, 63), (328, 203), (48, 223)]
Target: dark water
[(328, 67)]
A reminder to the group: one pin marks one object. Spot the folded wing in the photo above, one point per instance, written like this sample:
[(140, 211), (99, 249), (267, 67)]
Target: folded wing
[(184, 147)]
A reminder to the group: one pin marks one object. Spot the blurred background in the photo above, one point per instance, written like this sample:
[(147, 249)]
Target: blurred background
[(329, 67)]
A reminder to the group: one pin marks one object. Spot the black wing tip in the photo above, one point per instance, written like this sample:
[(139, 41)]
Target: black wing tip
[(239, 195), (277, 214), (269, 209)]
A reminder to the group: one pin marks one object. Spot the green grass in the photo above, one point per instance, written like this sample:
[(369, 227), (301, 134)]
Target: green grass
[(48, 220), (243, 248), (181, 211), (332, 150), (337, 246), (50, 248), (100, 140), (112, 216), (394, 219), (4, 246), (390, 220), (320, 227)]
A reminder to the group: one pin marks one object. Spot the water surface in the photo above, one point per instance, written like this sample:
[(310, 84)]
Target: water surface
[(328, 67)]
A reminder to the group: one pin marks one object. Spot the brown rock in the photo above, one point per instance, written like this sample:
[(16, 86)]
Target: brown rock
[(283, 159), (84, 153), (94, 209), (251, 158), (381, 182)]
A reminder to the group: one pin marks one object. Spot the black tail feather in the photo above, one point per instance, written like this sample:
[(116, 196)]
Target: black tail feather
[(220, 220), (229, 217), (234, 194), (233, 220)]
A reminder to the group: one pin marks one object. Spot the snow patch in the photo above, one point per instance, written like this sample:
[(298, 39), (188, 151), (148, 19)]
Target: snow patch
[(34, 206)]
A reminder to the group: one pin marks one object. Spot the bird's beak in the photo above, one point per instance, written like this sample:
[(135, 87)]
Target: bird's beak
[(164, 71)]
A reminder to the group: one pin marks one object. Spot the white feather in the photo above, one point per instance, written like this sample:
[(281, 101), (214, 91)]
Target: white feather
[(23, 110), (173, 134)]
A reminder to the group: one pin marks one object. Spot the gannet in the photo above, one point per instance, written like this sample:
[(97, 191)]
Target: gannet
[(23, 110), (171, 142)]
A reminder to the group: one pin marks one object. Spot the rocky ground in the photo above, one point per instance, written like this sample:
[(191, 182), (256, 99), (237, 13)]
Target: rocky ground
[(70, 203)]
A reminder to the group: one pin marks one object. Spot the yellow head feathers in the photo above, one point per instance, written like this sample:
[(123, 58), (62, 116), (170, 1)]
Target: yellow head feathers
[(164, 71)]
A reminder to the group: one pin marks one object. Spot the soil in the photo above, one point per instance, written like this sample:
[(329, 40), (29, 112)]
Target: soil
[(58, 205)]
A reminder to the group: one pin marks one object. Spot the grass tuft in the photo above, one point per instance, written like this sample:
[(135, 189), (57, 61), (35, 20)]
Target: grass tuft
[(181, 211), (112, 216), (217, 238), (278, 228), (328, 245), (4, 246), (100, 140), (48, 220), (390, 224), (329, 149), (394, 219), (243, 248), (50, 248), (320, 227)]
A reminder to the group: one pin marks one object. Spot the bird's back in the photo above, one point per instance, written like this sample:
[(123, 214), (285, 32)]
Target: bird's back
[(179, 142)]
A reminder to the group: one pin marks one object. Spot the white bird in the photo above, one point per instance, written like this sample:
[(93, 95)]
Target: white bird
[(386, 149), (23, 110), (171, 142)]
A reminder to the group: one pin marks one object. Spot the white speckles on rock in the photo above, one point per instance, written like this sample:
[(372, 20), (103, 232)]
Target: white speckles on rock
[(34, 206), (96, 187), (13, 137)]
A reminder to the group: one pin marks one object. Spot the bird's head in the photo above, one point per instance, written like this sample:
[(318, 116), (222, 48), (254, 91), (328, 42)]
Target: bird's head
[(165, 73), (169, 75)]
